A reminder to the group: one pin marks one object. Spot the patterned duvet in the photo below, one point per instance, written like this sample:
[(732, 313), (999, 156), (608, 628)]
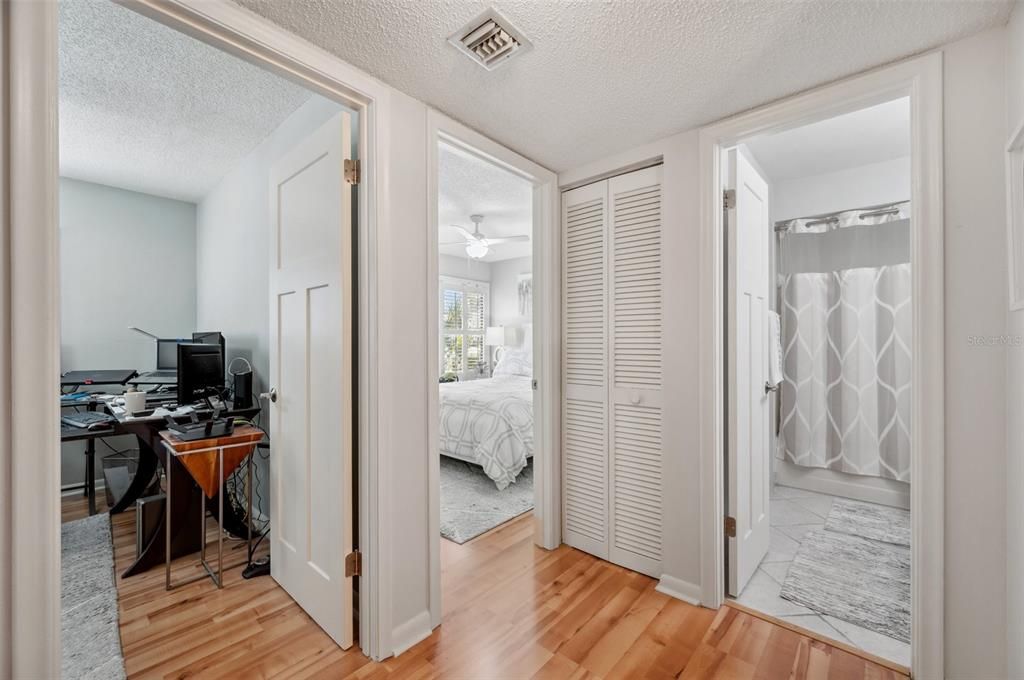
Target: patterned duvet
[(489, 422)]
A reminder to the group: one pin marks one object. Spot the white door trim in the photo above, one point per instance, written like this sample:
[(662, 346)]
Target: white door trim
[(32, 545), (920, 79), (29, 345), (546, 306)]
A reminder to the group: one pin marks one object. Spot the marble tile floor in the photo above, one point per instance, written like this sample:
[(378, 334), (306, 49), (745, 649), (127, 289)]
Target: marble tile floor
[(794, 512)]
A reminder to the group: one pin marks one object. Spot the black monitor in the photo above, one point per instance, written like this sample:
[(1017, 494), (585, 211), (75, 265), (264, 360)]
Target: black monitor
[(167, 353), (200, 372), (210, 338)]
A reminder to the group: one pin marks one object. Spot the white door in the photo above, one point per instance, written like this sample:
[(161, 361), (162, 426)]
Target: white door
[(635, 318), (748, 459), (611, 408), (311, 372)]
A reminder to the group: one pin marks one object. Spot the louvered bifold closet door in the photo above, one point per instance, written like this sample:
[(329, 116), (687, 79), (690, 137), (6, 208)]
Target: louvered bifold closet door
[(585, 369), (635, 313)]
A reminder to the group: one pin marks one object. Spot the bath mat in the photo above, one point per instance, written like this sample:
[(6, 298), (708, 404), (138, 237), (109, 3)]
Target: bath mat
[(854, 579), (869, 520), (90, 636), (472, 505)]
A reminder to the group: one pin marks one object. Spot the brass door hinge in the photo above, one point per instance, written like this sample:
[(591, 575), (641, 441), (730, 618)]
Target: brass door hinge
[(729, 199), (730, 527), (354, 564), (353, 172)]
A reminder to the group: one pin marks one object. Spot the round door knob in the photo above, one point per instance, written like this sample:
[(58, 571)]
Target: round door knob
[(635, 397), (271, 395)]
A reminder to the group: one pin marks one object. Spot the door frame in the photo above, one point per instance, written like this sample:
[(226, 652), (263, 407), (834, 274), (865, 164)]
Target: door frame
[(547, 525), (30, 548), (919, 78)]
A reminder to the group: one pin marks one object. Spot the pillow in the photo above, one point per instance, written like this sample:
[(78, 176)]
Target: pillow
[(514, 362)]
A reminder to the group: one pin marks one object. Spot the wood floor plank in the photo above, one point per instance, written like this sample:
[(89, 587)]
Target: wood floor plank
[(511, 611)]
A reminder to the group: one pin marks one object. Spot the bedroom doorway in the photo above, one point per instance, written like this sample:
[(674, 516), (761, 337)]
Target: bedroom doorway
[(485, 344), (493, 380)]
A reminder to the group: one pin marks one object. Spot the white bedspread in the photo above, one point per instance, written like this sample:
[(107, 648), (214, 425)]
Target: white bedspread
[(489, 422)]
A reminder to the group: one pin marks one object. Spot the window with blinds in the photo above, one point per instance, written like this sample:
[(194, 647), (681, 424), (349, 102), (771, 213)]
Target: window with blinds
[(464, 307)]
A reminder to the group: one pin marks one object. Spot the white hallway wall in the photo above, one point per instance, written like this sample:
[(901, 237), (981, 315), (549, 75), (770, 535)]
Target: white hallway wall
[(975, 588), (1015, 390), (127, 259)]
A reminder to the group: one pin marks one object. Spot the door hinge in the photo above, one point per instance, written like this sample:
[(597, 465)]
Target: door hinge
[(730, 527), (353, 171), (534, 384), (729, 199), (354, 564)]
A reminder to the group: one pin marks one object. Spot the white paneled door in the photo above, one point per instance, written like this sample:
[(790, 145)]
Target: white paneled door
[(749, 453), (311, 373), (612, 343)]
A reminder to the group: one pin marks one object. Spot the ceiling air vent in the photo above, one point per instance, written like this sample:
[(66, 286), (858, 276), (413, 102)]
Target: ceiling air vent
[(490, 40)]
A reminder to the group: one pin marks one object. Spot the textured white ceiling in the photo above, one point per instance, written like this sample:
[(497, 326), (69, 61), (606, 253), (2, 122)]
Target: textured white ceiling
[(468, 185), (605, 76), (145, 108), (872, 135)]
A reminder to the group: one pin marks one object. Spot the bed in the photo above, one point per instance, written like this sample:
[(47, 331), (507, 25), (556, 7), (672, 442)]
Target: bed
[(489, 422)]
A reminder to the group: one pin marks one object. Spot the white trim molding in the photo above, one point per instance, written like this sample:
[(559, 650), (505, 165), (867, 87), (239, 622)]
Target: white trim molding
[(679, 589), (921, 80), (29, 346), (546, 343)]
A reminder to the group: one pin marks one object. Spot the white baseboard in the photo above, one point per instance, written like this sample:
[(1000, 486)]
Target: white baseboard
[(679, 589), (411, 632), (836, 483)]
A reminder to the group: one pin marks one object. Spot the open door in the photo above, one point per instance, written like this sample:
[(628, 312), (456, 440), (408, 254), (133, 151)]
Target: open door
[(748, 459), (311, 374)]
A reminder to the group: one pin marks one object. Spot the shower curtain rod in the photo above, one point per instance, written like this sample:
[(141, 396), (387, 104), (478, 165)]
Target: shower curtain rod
[(881, 208)]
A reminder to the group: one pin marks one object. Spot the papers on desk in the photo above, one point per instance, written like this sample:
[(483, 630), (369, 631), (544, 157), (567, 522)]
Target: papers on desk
[(158, 413)]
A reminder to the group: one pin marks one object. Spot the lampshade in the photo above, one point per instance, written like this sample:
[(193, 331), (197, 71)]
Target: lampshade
[(495, 336)]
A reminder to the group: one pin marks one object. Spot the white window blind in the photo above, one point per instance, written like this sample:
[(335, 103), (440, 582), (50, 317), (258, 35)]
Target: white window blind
[(465, 306)]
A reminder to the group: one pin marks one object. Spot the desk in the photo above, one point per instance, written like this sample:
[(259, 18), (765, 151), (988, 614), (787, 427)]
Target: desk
[(69, 433), (186, 508)]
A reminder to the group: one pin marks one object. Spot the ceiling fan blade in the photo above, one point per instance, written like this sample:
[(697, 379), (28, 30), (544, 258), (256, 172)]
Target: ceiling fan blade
[(468, 235), (451, 243), (509, 239)]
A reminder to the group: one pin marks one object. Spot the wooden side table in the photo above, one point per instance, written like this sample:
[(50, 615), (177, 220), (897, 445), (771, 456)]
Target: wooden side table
[(210, 462)]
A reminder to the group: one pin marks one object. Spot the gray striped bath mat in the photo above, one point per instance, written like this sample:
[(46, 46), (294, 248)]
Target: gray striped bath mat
[(854, 579), (869, 520)]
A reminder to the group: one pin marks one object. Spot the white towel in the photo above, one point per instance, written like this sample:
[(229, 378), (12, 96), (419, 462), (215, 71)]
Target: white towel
[(774, 349)]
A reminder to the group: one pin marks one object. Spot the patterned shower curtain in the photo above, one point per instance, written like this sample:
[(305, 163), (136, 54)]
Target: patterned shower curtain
[(846, 327)]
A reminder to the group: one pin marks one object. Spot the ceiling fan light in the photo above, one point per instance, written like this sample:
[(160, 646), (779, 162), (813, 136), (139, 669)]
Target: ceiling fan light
[(477, 249)]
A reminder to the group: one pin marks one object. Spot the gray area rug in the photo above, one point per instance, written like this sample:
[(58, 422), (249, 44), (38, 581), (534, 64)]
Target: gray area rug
[(90, 639), (868, 520), (472, 505), (855, 579)]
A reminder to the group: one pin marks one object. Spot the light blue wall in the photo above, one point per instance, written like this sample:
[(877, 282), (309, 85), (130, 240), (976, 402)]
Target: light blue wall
[(127, 259)]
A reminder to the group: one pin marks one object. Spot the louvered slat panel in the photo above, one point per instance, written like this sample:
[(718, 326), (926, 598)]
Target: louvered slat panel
[(585, 463), (585, 293), (636, 287), (636, 493)]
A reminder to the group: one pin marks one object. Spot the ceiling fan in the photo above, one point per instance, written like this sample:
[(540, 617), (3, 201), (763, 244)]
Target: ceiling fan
[(477, 244)]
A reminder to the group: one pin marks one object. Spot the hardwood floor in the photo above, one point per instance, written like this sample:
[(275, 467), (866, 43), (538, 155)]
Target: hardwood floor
[(511, 611)]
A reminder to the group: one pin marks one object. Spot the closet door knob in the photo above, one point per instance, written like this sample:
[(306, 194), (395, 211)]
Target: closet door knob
[(635, 397)]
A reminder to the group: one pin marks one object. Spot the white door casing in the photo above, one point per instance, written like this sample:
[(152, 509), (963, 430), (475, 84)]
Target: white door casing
[(749, 424), (311, 370)]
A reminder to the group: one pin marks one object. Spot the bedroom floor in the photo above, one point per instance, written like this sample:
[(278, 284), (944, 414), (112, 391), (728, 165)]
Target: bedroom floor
[(794, 513), (471, 504)]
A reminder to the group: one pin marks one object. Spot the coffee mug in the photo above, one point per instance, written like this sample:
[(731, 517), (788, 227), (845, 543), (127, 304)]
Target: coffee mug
[(134, 402)]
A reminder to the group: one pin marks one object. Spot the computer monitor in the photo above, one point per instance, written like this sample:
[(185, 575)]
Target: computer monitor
[(200, 372), (210, 338), (167, 353)]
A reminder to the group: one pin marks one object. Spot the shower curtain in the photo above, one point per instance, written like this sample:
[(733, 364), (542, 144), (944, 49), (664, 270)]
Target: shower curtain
[(846, 327)]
